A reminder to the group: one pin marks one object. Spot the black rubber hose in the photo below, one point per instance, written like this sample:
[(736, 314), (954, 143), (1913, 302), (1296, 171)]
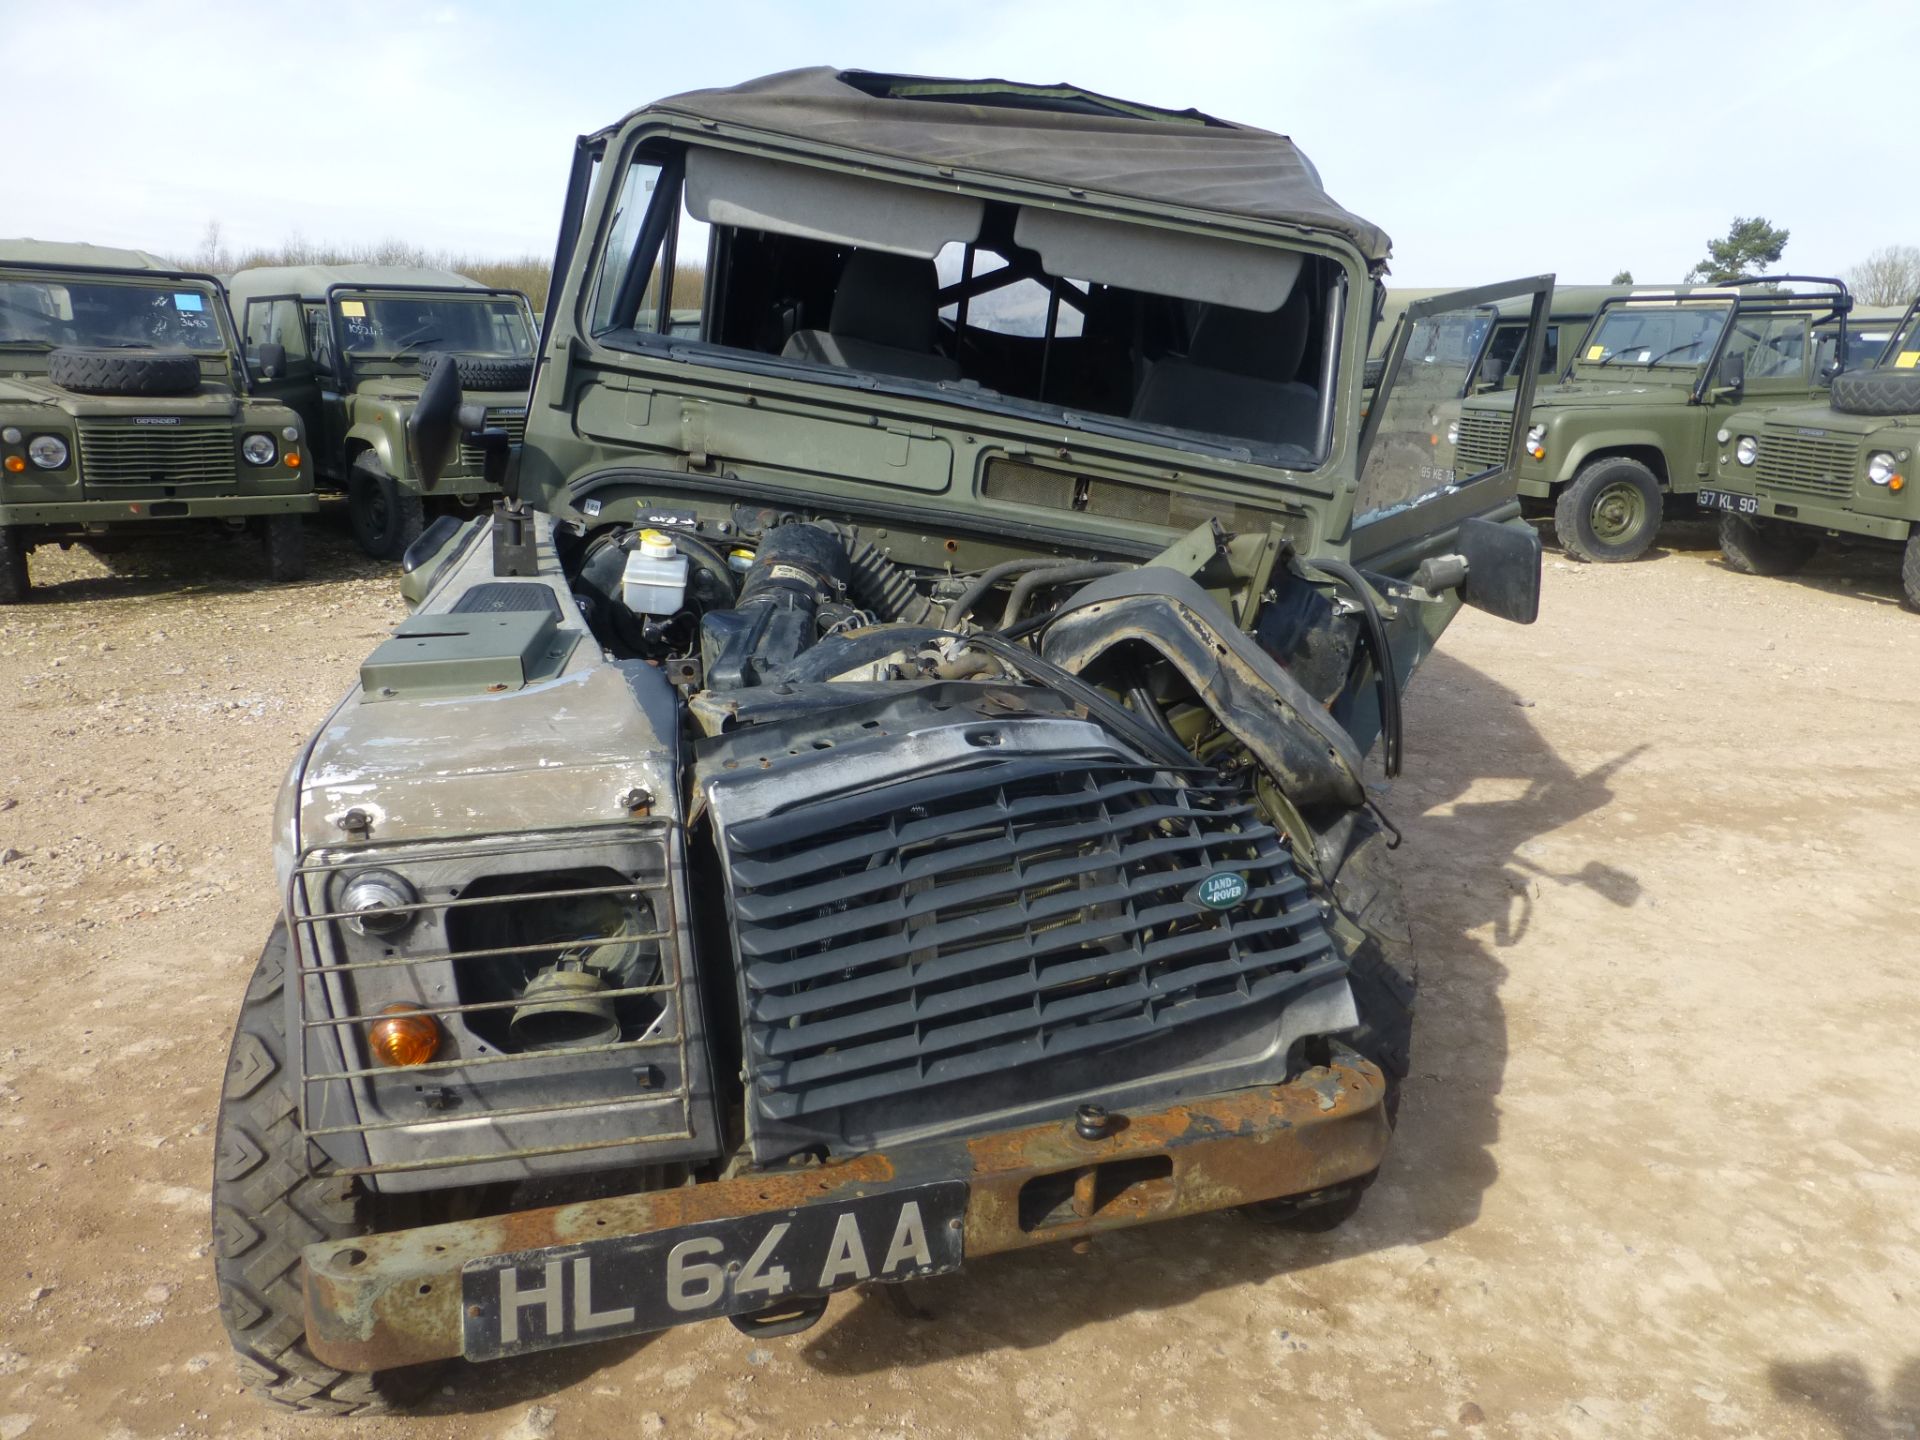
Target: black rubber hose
[(1386, 680), (1059, 575), (990, 577), (880, 585)]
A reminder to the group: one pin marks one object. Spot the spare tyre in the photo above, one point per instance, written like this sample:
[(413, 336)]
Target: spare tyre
[(88, 371), (1877, 392), (482, 372)]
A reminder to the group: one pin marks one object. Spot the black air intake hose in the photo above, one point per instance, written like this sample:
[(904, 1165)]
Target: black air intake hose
[(880, 585)]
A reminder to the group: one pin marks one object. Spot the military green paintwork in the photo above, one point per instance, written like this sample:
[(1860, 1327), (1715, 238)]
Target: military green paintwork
[(1573, 309), (1811, 466), (1662, 414), (362, 409), (41, 506)]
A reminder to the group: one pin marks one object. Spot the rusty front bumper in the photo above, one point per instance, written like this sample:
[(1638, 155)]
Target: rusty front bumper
[(383, 1301)]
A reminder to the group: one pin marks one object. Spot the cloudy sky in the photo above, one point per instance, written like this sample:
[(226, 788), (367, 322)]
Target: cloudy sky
[(1488, 138)]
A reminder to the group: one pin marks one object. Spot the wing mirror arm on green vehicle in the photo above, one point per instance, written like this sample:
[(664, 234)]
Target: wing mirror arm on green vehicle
[(1496, 568)]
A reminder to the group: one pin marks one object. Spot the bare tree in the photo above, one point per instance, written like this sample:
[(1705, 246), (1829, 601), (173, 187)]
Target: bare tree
[(1889, 276)]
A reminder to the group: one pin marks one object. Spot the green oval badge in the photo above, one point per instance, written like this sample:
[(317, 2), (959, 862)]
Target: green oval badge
[(1220, 891)]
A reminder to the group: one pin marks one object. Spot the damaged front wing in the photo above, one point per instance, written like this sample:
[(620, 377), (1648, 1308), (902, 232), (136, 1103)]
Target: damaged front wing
[(382, 1301)]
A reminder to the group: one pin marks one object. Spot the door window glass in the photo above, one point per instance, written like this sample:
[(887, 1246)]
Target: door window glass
[(1775, 346), (277, 322), (1442, 353)]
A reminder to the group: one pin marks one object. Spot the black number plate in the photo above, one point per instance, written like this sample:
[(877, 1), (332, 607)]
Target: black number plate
[(568, 1294), (1734, 504)]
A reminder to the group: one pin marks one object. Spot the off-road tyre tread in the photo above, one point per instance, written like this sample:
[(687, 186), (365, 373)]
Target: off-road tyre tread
[(1383, 971), (14, 580), (86, 371), (267, 1207), (481, 372), (407, 512), (286, 544), (1384, 974), (1876, 392), (1572, 512), (1778, 549), (1910, 570)]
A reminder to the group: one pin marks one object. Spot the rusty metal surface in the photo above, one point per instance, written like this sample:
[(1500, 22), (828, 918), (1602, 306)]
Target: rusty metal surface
[(389, 1300)]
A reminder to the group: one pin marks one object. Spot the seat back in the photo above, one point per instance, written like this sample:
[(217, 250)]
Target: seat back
[(883, 320), (1238, 377)]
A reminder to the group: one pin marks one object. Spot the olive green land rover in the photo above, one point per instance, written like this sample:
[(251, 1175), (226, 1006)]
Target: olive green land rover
[(349, 347), (125, 408), (1787, 477), (1627, 436), (884, 785), (1572, 311)]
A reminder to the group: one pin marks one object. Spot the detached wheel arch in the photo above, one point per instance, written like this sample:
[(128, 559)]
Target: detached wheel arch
[(268, 1205), (1611, 510)]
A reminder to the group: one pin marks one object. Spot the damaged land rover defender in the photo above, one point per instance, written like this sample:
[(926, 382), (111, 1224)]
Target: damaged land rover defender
[(885, 785)]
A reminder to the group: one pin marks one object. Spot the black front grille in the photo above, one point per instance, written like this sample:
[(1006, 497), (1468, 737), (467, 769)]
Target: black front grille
[(1484, 437), (513, 421), (192, 452), (969, 941), (1806, 464)]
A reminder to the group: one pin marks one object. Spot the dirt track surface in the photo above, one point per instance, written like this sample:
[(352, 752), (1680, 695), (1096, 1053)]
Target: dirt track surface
[(1659, 1165)]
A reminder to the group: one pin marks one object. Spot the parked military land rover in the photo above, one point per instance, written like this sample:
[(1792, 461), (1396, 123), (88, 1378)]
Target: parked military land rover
[(884, 786), (1571, 312), (1628, 435), (1789, 476), (349, 347), (124, 408)]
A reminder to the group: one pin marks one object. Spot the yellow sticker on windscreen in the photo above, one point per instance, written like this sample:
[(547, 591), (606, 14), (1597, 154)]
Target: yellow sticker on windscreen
[(1906, 359), (355, 308), (1594, 352)]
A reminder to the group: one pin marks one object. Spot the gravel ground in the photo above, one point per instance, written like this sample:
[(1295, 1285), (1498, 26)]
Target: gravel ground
[(1657, 1168)]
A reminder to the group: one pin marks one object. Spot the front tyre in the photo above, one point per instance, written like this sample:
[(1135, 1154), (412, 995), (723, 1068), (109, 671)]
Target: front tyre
[(1754, 548), (386, 516), (1610, 512), (268, 1205), (1910, 570), (14, 583), (286, 543), (1386, 982)]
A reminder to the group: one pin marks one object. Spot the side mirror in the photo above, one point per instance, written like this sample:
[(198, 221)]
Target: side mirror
[(433, 430), (1503, 569), (1492, 371), (272, 360), (1733, 373)]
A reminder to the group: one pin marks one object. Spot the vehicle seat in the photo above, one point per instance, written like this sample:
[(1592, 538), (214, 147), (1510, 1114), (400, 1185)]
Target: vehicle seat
[(882, 322), (1237, 377)]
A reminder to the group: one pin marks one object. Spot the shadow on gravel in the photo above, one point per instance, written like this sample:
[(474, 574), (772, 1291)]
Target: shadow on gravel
[(1860, 572), (1465, 876), (1840, 1391), (197, 561)]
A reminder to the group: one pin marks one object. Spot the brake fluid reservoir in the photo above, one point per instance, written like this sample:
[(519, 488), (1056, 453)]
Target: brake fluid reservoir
[(655, 580)]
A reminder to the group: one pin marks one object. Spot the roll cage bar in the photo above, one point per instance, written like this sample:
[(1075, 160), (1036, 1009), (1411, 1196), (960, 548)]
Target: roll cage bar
[(1735, 294)]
